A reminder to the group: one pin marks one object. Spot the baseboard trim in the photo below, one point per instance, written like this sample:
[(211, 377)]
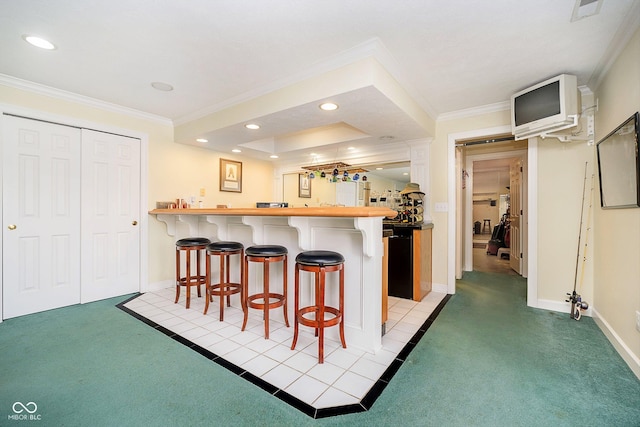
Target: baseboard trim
[(625, 352), (440, 287), (156, 286), (560, 306)]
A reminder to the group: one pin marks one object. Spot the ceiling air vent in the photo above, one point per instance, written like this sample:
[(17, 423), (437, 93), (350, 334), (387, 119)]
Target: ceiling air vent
[(585, 8)]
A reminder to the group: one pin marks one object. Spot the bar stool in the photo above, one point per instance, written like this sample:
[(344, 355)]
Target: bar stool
[(319, 263), (265, 300), (187, 245), (224, 288)]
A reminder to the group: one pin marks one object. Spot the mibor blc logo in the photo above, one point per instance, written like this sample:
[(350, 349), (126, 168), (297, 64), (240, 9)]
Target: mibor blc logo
[(24, 411)]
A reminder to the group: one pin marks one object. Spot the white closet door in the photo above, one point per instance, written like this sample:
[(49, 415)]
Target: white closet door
[(40, 216), (110, 209)]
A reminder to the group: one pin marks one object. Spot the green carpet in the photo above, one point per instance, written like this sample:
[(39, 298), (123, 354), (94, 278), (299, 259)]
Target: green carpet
[(487, 360)]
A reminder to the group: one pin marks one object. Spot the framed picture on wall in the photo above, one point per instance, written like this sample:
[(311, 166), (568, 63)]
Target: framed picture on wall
[(230, 175), (304, 185)]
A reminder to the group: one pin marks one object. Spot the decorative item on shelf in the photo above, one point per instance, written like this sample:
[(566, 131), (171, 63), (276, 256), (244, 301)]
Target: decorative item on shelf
[(412, 200), (335, 172)]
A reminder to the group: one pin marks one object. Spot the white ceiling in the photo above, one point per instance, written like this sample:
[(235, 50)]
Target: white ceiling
[(445, 56)]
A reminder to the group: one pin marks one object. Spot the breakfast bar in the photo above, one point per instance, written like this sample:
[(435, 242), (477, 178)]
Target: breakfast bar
[(354, 232)]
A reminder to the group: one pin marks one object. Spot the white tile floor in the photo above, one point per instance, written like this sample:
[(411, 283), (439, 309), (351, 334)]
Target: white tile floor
[(346, 375)]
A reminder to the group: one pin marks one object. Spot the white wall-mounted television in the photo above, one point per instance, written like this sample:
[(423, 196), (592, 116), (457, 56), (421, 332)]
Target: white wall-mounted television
[(548, 106)]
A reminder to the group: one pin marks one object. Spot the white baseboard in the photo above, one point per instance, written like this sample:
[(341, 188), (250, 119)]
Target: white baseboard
[(625, 352), (440, 287), (560, 307), (156, 286)]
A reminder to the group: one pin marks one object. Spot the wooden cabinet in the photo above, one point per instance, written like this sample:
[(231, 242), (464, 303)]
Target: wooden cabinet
[(422, 268)]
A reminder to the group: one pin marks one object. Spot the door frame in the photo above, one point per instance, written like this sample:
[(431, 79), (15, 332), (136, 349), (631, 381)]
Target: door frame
[(468, 204), (34, 114), (454, 212)]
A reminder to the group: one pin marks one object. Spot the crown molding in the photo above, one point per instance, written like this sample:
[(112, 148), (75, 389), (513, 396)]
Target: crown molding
[(475, 111), (618, 43), (40, 89)]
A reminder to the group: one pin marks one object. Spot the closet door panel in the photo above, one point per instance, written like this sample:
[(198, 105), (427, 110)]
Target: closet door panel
[(111, 203), (40, 215)]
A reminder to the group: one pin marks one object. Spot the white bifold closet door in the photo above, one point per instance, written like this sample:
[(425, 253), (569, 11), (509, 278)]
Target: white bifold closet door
[(70, 206), (110, 210), (41, 216)]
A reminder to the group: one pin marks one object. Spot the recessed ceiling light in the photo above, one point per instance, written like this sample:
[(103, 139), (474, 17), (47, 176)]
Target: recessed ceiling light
[(236, 150), (39, 42), (202, 140), (252, 126), (379, 169), (328, 106), (274, 156), (165, 87), (351, 148)]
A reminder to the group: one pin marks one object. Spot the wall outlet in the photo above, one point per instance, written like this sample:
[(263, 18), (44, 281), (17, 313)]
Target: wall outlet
[(638, 320), (590, 125), (202, 192), (441, 207)]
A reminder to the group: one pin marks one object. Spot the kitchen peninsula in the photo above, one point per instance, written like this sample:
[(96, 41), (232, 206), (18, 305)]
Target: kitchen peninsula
[(355, 232)]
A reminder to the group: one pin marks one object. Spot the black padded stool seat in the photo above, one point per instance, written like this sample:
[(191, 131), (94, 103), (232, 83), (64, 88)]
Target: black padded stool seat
[(188, 280), (319, 262), (193, 241), (224, 288), (265, 300), (319, 258)]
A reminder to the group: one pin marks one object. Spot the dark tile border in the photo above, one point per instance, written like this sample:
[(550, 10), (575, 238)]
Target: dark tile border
[(365, 404)]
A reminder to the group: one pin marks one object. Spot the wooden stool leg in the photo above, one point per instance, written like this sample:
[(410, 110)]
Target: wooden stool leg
[(228, 277), (341, 305), (284, 291), (296, 305), (177, 276), (188, 277), (221, 288), (320, 314), (199, 274), (207, 283), (244, 293), (317, 297), (266, 299)]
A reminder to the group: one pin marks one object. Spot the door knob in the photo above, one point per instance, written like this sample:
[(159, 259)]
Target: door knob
[(12, 227), (134, 223)]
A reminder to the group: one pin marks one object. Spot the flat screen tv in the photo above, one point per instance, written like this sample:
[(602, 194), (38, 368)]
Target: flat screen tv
[(548, 106), (619, 166)]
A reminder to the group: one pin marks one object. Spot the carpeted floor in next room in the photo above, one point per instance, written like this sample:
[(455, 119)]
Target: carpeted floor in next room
[(487, 360)]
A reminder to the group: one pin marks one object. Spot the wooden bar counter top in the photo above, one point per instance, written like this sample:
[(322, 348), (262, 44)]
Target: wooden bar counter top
[(323, 211)]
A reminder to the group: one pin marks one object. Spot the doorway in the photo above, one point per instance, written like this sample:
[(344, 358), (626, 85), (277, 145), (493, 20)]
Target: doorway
[(491, 198)]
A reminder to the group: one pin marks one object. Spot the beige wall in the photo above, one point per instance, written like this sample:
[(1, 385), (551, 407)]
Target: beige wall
[(617, 231), (561, 172)]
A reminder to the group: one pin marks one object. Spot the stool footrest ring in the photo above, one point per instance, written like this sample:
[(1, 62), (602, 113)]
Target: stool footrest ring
[(279, 301), (315, 323)]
